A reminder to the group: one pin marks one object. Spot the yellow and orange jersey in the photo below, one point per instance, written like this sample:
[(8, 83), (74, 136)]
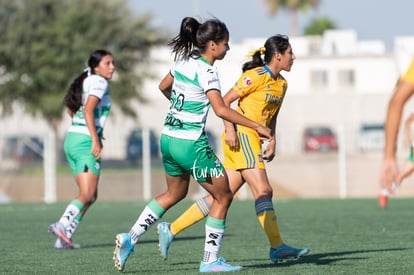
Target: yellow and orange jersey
[(261, 94)]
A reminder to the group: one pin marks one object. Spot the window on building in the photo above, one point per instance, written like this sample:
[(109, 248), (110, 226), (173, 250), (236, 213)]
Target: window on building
[(319, 79), (346, 78)]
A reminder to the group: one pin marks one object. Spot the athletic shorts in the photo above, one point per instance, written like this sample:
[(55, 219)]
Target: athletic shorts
[(248, 155), (195, 157), (78, 153)]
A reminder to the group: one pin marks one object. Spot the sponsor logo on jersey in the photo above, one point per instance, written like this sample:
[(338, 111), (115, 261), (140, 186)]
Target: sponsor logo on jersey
[(247, 81), (212, 80)]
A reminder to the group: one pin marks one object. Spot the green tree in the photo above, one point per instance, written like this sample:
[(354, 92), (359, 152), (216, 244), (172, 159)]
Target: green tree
[(319, 25), (293, 6), (44, 45)]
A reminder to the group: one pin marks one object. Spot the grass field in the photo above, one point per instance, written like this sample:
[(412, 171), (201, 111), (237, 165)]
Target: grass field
[(345, 237)]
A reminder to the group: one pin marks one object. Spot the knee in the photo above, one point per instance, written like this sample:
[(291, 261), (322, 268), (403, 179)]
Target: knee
[(177, 196), (171, 198), (225, 197), (264, 193), (90, 199), (93, 198)]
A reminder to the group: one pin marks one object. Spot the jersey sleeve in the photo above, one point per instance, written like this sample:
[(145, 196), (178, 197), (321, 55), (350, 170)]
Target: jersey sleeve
[(172, 69), (409, 74), (209, 80), (246, 84), (98, 87)]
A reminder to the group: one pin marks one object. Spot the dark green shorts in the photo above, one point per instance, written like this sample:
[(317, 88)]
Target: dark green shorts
[(195, 157)]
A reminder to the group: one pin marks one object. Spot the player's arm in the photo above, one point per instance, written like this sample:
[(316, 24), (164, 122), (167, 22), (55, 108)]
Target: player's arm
[(407, 129), (231, 135), (402, 93), (270, 150), (89, 114), (165, 85), (225, 112)]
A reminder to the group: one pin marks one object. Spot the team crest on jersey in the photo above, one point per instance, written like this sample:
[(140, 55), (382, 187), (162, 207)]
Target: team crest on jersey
[(247, 81)]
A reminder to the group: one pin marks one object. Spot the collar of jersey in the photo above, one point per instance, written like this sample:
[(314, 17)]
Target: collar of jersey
[(204, 60), (269, 71)]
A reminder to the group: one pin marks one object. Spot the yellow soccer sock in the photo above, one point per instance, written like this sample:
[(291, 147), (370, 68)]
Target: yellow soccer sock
[(267, 218), (195, 213)]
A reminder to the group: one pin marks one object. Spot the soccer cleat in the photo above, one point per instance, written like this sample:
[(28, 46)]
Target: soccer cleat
[(165, 238), (384, 195), (61, 245), (123, 249), (219, 265), (383, 200), (59, 231), (285, 252)]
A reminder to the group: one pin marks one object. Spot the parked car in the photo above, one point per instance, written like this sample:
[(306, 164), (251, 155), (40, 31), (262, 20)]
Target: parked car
[(319, 139), (134, 147), (371, 137), (23, 149)]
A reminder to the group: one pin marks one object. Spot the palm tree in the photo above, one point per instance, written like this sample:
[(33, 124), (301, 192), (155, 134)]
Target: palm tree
[(293, 6)]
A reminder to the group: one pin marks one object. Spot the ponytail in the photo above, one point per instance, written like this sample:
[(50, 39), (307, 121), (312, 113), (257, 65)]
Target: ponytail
[(194, 37), (183, 43), (256, 61), (73, 97)]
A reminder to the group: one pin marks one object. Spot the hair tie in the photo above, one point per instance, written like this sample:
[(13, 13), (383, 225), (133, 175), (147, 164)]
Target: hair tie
[(88, 69), (262, 50)]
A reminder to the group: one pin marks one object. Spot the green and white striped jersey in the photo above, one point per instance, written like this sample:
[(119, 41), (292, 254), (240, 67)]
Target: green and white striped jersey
[(93, 85), (189, 106)]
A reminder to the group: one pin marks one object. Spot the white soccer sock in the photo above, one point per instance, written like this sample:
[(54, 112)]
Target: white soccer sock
[(144, 222), (212, 244), (69, 215), (72, 228)]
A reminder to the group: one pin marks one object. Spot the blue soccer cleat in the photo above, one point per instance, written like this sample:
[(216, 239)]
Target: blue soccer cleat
[(285, 252), (165, 238), (123, 249), (219, 266)]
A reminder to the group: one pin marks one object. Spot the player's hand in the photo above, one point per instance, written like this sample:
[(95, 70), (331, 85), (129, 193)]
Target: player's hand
[(269, 150), (388, 173), (231, 138), (265, 133), (96, 149)]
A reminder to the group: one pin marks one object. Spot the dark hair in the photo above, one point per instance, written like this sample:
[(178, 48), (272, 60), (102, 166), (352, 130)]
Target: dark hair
[(73, 97), (194, 36), (274, 44)]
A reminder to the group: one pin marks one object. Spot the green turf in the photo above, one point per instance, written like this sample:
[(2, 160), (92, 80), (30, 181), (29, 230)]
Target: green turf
[(345, 237)]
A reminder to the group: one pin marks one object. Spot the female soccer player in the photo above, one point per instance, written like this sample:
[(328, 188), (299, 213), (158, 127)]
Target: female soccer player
[(192, 85), (88, 102), (260, 91)]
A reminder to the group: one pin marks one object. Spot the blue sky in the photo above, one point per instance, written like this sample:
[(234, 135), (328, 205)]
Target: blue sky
[(372, 19)]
